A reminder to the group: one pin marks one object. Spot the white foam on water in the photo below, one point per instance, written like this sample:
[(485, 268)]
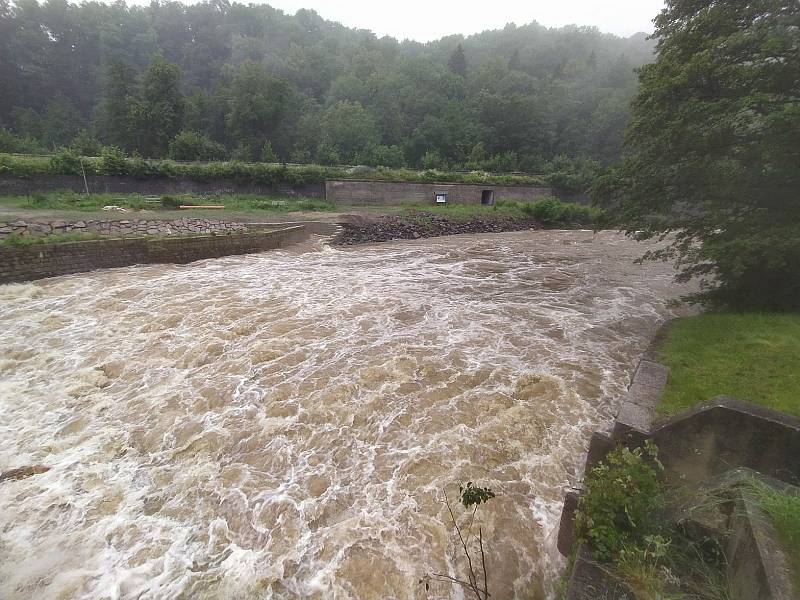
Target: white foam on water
[(284, 425)]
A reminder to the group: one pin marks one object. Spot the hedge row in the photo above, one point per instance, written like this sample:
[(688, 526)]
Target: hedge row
[(114, 162)]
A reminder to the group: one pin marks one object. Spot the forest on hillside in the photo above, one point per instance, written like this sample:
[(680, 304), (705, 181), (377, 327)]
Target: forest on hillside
[(217, 80)]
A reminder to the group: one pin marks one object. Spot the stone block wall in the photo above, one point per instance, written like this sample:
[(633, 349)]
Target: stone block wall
[(352, 192), (37, 261), (122, 184), (124, 227)]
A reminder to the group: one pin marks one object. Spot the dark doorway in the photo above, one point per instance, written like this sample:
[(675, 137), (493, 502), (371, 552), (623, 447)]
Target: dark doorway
[(487, 197)]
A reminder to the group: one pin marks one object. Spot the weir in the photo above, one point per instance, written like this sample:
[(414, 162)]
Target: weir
[(287, 422)]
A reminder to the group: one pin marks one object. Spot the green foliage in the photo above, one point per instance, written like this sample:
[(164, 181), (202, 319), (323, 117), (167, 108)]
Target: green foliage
[(157, 114), (191, 145), (246, 73), (712, 154), (85, 144), (783, 510), (113, 161), (254, 172), (705, 355), (12, 143), (346, 130), (65, 162), (268, 154), (259, 102), (170, 202), (473, 495), (619, 499), (552, 212)]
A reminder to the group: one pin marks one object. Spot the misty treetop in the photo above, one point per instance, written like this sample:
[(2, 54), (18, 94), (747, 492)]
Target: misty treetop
[(216, 79)]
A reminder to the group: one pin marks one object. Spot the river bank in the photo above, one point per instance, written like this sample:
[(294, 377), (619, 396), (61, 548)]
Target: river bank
[(368, 229)]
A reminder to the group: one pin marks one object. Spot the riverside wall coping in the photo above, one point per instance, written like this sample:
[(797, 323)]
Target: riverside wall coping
[(39, 261)]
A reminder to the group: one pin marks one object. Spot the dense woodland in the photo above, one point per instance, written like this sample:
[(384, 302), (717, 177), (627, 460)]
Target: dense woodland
[(218, 80)]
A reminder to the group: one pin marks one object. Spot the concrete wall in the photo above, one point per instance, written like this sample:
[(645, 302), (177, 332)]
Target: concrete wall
[(26, 263), (122, 227), (114, 184), (387, 192)]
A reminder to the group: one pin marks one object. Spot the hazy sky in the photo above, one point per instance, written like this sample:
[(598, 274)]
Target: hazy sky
[(425, 20)]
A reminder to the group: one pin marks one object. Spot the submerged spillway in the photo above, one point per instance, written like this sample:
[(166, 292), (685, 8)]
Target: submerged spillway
[(284, 425)]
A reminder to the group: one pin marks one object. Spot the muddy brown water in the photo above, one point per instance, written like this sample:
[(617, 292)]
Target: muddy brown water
[(284, 425)]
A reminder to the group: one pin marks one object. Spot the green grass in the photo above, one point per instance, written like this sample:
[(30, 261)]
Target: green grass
[(32, 240), (754, 357), (783, 510), (549, 211), (71, 201)]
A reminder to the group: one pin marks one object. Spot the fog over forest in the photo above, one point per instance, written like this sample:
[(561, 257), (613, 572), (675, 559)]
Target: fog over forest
[(219, 80)]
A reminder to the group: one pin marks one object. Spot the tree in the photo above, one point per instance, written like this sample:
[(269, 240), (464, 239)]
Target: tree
[(259, 101), (116, 105), (712, 151), (458, 62), (347, 131), (470, 496), (158, 114)]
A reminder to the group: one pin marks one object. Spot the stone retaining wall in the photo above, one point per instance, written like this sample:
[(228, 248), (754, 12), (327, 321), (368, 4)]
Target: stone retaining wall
[(389, 192), (37, 261), (123, 184), (122, 227)]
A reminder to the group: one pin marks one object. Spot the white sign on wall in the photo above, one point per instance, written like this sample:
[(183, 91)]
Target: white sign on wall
[(441, 197)]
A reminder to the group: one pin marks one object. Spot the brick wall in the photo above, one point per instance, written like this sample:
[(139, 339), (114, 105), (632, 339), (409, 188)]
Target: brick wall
[(37, 261)]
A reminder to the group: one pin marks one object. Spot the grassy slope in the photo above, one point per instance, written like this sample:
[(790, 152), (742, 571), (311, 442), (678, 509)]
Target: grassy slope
[(784, 512), (755, 357), (80, 206)]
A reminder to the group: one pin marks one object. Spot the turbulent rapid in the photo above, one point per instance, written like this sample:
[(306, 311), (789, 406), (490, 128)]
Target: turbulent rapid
[(285, 425)]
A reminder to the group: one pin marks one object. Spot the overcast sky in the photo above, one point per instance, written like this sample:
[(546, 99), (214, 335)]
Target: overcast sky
[(425, 20)]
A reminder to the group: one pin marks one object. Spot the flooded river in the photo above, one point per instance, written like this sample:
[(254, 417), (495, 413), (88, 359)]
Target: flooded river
[(285, 425)]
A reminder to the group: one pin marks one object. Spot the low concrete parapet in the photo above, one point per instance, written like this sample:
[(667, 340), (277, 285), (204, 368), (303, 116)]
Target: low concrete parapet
[(726, 433), (37, 261)]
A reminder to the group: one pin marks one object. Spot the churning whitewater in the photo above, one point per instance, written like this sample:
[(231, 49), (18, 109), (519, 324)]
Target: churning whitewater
[(285, 425)]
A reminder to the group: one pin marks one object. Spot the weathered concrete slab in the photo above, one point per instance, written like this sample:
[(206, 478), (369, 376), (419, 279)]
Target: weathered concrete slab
[(726, 433), (758, 567)]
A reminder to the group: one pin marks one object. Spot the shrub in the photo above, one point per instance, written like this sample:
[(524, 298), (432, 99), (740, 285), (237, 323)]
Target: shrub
[(620, 497), (268, 154), (11, 142), (84, 144), (191, 145), (170, 202), (113, 161), (551, 211), (65, 162), (433, 160)]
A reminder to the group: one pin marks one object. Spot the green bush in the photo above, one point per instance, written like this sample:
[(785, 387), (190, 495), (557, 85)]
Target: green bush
[(170, 202), (192, 145), (619, 501), (84, 144), (552, 211), (65, 162), (11, 142), (113, 161)]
